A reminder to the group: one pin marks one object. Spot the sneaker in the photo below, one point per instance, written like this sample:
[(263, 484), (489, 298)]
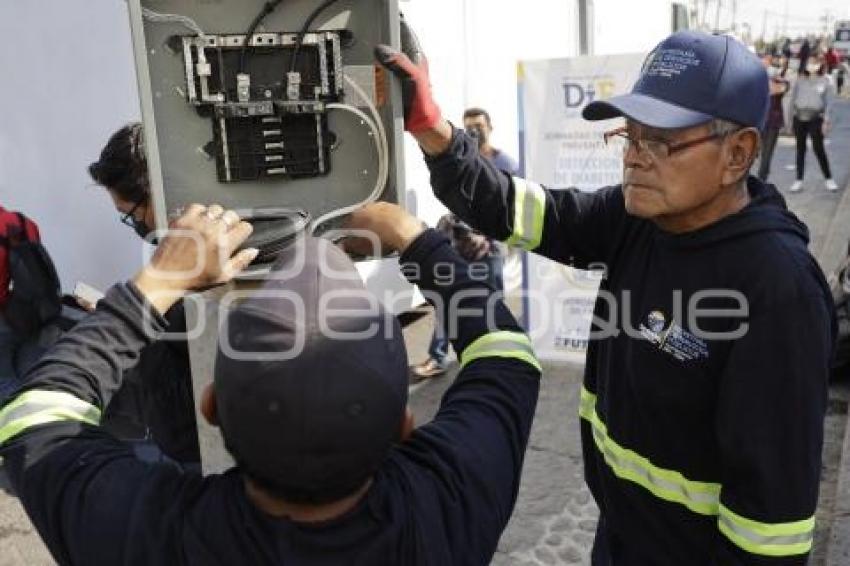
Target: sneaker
[(831, 185), (796, 187), (426, 370)]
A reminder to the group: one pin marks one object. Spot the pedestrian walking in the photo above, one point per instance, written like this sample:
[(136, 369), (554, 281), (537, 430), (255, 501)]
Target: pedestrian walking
[(811, 105)]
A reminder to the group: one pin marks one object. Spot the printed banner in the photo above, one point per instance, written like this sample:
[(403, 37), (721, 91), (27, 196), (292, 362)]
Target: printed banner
[(561, 150)]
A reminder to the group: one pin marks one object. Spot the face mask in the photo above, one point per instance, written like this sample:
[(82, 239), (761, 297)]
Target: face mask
[(813, 69), (476, 133), (141, 229)]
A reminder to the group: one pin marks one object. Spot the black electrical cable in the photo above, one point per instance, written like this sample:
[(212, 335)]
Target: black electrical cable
[(268, 8), (307, 23)]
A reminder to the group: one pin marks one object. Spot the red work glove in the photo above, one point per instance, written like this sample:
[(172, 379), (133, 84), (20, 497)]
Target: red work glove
[(410, 65)]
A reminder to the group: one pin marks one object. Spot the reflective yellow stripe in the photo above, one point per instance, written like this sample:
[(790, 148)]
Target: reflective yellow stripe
[(529, 211), (501, 344), (669, 485), (769, 539), (33, 408)]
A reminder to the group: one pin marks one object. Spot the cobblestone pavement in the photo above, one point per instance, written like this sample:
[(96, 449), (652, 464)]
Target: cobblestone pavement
[(555, 516), (19, 543)]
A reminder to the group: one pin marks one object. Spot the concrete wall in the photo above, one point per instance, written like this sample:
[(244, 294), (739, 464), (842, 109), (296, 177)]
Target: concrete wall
[(68, 82)]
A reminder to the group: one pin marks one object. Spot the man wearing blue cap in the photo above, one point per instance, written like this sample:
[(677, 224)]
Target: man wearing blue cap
[(702, 427)]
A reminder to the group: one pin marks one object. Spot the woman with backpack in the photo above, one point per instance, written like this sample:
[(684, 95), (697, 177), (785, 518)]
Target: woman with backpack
[(811, 99)]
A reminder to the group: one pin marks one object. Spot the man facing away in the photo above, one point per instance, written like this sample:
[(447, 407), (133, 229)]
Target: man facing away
[(310, 392)]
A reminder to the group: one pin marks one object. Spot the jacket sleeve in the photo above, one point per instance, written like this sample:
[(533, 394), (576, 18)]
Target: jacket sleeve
[(91, 500), (568, 226), (829, 95), (772, 402), (468, 460), (795, 88)]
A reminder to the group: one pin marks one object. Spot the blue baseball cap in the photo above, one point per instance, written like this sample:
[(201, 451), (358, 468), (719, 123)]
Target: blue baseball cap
[(689, 79)]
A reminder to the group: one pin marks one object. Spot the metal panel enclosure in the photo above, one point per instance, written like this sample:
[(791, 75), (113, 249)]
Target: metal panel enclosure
[(178, 138), (185, 168)]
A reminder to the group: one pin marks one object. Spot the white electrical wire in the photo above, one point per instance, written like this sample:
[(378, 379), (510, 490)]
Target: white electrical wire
[(376, 126), (184, 21), (378, 130)]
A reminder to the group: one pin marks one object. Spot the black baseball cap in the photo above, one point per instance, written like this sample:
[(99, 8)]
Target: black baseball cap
[(689, 79), (310, 377)]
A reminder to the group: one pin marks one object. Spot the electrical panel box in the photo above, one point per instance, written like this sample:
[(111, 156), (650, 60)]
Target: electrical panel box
[(263, 106), (278, 113)]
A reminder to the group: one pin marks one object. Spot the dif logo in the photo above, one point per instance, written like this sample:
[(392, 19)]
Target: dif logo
[(578, 94)]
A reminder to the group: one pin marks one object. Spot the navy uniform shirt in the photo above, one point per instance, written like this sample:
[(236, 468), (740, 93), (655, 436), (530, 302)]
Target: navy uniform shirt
[(701, 431), (442, 497)]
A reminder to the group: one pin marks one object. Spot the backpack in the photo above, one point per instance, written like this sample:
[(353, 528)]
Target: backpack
[(34, 297), (839, 284)]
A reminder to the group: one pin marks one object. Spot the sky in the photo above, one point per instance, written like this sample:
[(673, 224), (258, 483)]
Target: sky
[(803, 16)]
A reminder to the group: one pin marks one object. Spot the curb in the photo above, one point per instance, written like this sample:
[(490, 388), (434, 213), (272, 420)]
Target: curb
[(838, 545), (835, 243)]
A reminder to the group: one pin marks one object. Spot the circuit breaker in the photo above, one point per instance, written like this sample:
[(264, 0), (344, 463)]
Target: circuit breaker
[(269, 106)]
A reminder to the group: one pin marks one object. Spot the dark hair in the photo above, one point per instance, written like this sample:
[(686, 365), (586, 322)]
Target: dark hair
[(123, 165), (301, 496), (814, 59), (277, 490), (476, 112)]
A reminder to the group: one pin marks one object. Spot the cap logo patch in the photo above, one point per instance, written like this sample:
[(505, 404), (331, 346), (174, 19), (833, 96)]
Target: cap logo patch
[(669, 63)]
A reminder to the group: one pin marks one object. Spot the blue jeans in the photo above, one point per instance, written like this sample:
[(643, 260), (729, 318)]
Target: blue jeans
[(8, 347), (16, 356), (439, 348)]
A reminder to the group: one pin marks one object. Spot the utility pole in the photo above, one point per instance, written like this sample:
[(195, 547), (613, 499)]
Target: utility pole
[(465, 23), (695, 13), (764, 26), (785, 20), (734, 16), (717, 16), (585, 27), (827, 18)]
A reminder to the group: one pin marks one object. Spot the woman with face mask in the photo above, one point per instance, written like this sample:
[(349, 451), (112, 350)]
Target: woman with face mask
[(163, 375), (811, 97)]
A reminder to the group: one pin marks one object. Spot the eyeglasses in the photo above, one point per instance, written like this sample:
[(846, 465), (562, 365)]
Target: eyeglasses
[(129, 219), (657, 149)]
